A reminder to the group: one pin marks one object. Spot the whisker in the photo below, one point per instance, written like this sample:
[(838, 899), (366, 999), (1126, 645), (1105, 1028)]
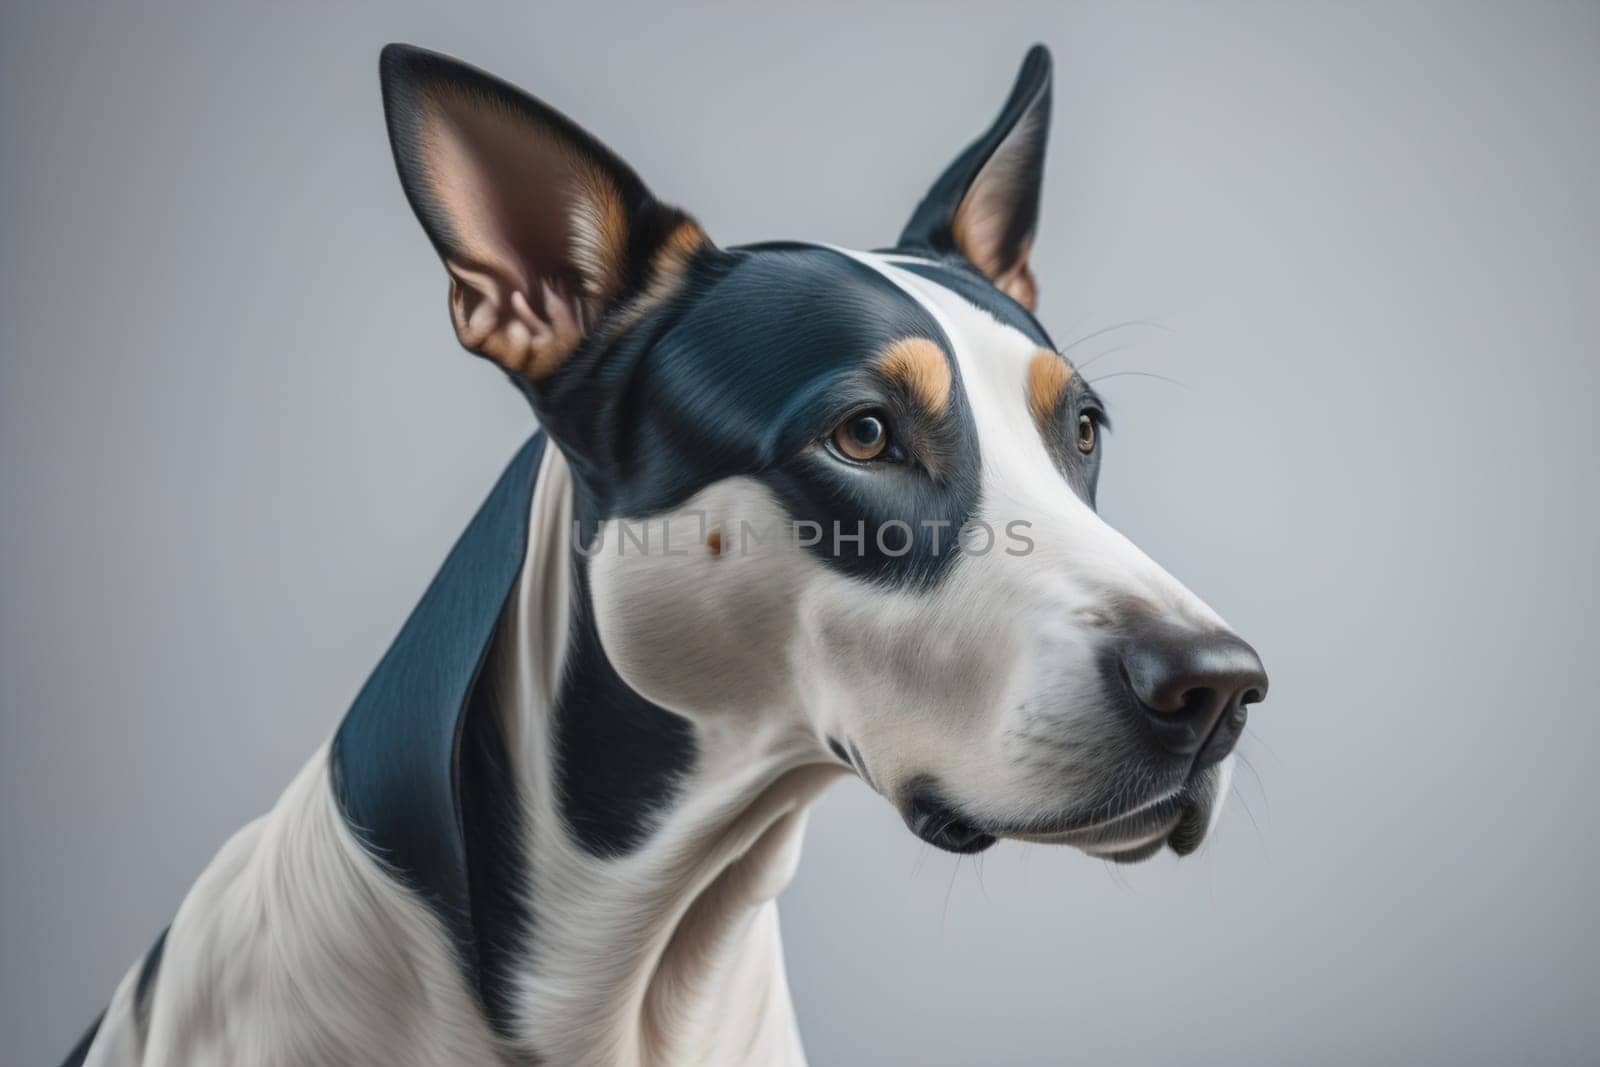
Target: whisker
[(1261, 787), (944, 916), (1139, 374), (1256, 738), (1260, 837), (1118, 879), (1114, 326), (1098, 356)]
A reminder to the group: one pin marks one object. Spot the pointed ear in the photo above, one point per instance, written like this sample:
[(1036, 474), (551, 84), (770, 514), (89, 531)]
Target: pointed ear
[(986, 204), (544, 231)]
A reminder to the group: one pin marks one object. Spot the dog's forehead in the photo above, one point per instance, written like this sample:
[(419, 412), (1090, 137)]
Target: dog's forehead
[(769, 346), (963, 282), (1003, 352), (790, 314), (1025, 397), (779, 321)]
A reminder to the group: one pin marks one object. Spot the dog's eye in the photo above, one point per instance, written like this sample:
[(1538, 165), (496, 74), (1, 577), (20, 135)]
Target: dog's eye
[(1087, 432), (863, 437)]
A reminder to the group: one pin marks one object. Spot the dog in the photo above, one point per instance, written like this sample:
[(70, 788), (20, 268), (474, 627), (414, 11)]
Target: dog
[(793, 512)]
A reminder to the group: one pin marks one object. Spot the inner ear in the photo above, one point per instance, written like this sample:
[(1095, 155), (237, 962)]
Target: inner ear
[(497, 319), (985, 206), (995, 222), (543, 230), (515, 199)]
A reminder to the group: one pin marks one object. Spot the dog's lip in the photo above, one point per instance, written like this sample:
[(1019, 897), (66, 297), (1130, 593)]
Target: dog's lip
[(1145, 827), (1178, 819), (1132, 854), (948, 831)]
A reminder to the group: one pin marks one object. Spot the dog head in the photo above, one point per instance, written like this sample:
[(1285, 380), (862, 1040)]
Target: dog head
[(854, 491)]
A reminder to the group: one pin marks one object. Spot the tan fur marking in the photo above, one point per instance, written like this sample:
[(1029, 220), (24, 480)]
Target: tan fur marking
[(599, 233), (668, 264), (920, 365), (683, 242), (1048, 375)]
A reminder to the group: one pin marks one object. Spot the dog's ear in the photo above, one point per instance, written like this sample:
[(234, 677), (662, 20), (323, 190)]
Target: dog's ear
[(542, 229), (986, 204)]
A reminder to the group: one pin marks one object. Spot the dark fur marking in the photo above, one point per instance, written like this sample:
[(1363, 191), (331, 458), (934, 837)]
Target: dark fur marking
[(419, 765), (619, 758), (80, 1051), (149, 970), (763, 351), (494, 826), (143, 988)]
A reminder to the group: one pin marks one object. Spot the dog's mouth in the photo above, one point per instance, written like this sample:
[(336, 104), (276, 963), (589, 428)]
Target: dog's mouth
[(1178, 821)]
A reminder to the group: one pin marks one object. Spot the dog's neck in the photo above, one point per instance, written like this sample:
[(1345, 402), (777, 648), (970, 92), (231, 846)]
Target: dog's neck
[(668, 952)]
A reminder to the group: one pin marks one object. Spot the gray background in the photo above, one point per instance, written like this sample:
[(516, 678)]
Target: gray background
[(238, 436)]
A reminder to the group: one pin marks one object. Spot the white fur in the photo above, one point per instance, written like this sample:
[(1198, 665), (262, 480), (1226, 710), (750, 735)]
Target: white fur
[(295, 947)]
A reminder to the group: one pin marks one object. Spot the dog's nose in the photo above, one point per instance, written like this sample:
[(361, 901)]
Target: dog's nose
[(1193, 689)]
